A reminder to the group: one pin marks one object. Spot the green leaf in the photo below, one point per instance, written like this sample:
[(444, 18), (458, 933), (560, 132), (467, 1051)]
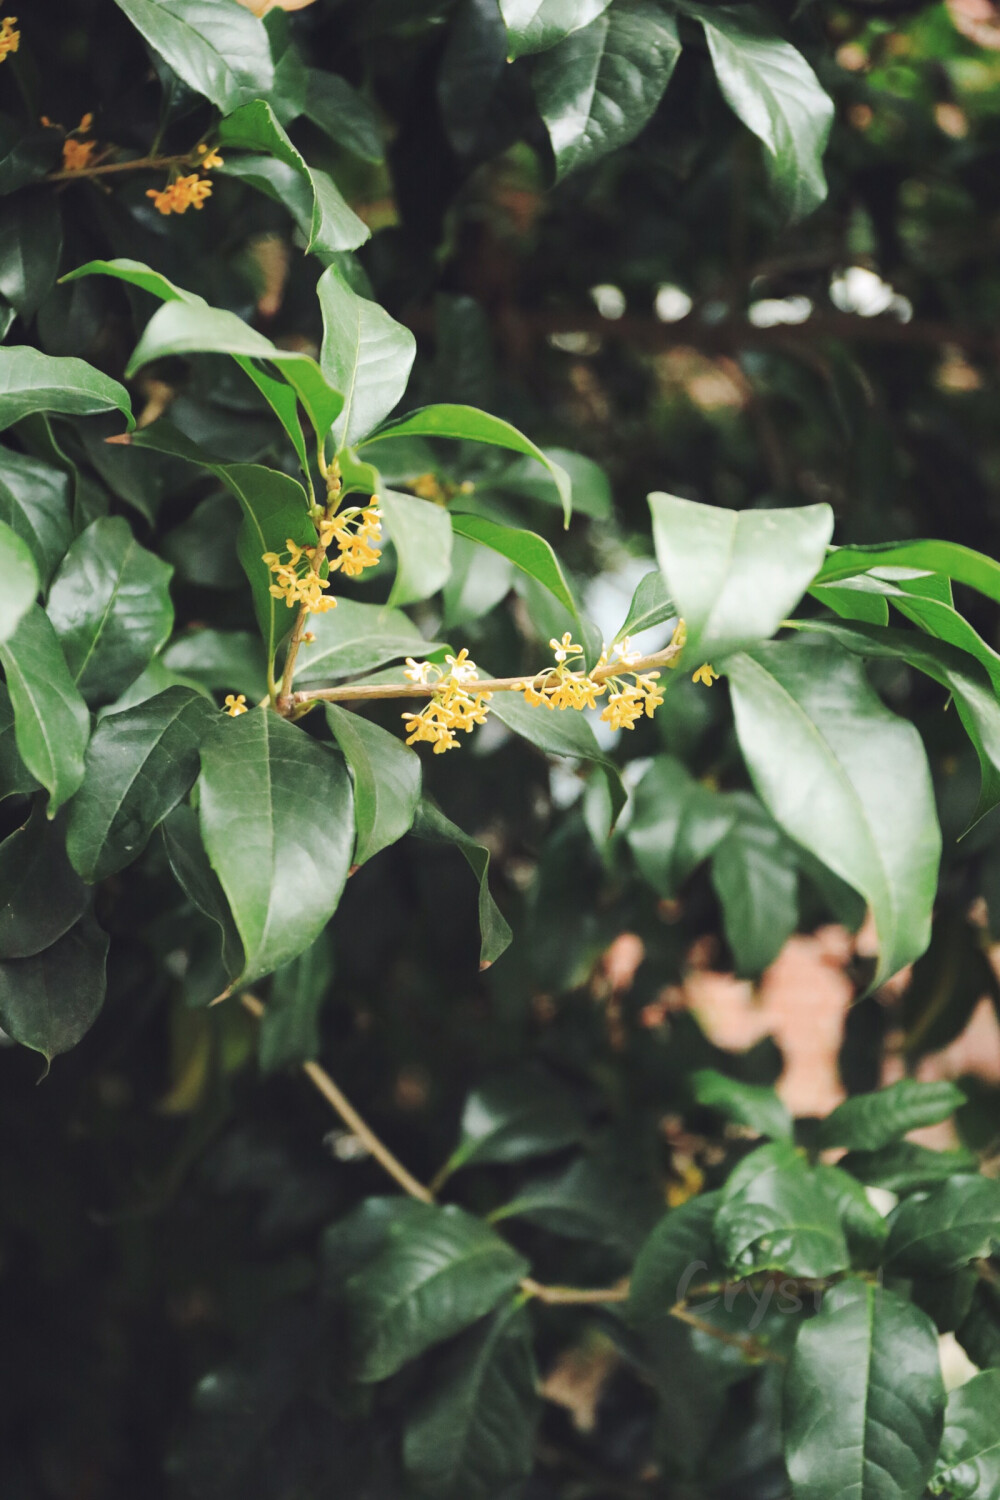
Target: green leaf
[(431, 824), (776, 94), (51, 722), (735, 575), (449, 421), (755, 876), (216, 47), (746, 1103), (534, 25), (15, 778), (366, 354), (274, 508), (386, 776), (515, 1116), (669, 1263), (863, 1398), (110, 606), (560, 732), (41, 896), (436, 1274), (472, 1435), (943, 1230), (333, 225), (30, 247), (25, 154), (343, 114), (951, 559), (35, 502), (288, 1033), (19, 582), (139, 765), (189, 862), (867, 1122), (600, 1198), (776, 1215), (903, 1167), (30, 382), (421, 534), (533, 555), (676, 823), (651, 605), (844, 778), (221, 660), (598, 87), (479, 580), (855, 599), (590, 487), (355, 638), (968, 1462), (865, 1228), (277, 824), (48, 1001)]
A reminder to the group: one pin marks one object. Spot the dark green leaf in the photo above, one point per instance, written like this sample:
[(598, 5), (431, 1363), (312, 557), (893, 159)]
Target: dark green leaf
[(277, 823), (30, 382), (968, 1463), (533, 555), (366, 354), (676, 823), (903, 1167), (864, 1227), (846, 779), (30, 247), (863, 1398), (746, 1103), (15, 778), (41, 896), (433, 1278), (49, 1001), (675, 1255), (534, 25), (755, 876), (869, 1121), (355, 638), (735, 575), (472, 1435), (430, 823), (343, 114), (221, 660), (776, 1215), (19, 581), (941, 1231), (110, 606), (139, 765), (386, 780), (560, 732), (515, 1116), (51, 721), (651, 605), (289, 1028), (218, 48), (598, 87), (197, 879), (35, 502)]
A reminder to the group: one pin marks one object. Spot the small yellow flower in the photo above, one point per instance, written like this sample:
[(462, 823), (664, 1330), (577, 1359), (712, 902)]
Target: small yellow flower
[(77, 154), (565, 648), (418, 671), (236, 704), (623, 651), (624, 708), (706, 674), (462, 669), (10, 37), (209, 158), (181, 194)]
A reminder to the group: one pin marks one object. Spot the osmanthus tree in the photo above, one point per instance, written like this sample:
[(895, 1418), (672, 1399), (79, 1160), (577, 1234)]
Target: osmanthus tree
[(239, 703)]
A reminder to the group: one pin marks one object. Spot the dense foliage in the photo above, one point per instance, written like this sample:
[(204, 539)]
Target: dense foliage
[(364, 727)]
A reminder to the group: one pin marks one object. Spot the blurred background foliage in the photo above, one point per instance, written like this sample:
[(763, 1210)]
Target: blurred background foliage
[(161, 1194)]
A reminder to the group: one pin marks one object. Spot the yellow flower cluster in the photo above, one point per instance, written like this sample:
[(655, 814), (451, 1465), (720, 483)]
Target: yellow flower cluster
[(706, 673), (10, 37), (429, 487), (236, 704), (568, 685), (187, 192), (296, 580), (358, 534), (451, 708)]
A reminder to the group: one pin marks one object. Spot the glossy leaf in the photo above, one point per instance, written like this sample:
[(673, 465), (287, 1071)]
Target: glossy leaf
[(598, 88), (776, 94), (951, 559), (421, 534), (735, 575), (49, 1001), (968, 1462), (676, 823), (19, 582), (651, 605), (274, 508), (111, 609), (430, 823), (560, 732), (746, 1103), (755, 876), (846, 779), (533, 25), (954, 1223), (775, 1215), (478, 580), (220, 660), (343, 114), (289, 1027), (30, 246), (199, 882), (514, 1116), (51, 721), (41, 896), (590, 486), (675, 1255), (366, 354), (35, 502), (139, 765), (276, 819), (434, 1277), (867, 1122), (216, 47), (15, 778), (533, 555), (863, 1398), (355, 638), (903, 1167), (386, 777), (30, 382), (472, 1435), (450, 421)]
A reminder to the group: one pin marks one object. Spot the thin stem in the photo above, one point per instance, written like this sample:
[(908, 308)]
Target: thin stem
[(574, 1296), (752, 1348), (138, 164), (360, 691)]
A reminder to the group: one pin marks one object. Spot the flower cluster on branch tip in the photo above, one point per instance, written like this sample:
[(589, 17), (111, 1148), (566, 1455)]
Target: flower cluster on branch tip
[(357, 532), (10, 37), (77, 151), (569, 685), (184, 192), (451, 707)]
